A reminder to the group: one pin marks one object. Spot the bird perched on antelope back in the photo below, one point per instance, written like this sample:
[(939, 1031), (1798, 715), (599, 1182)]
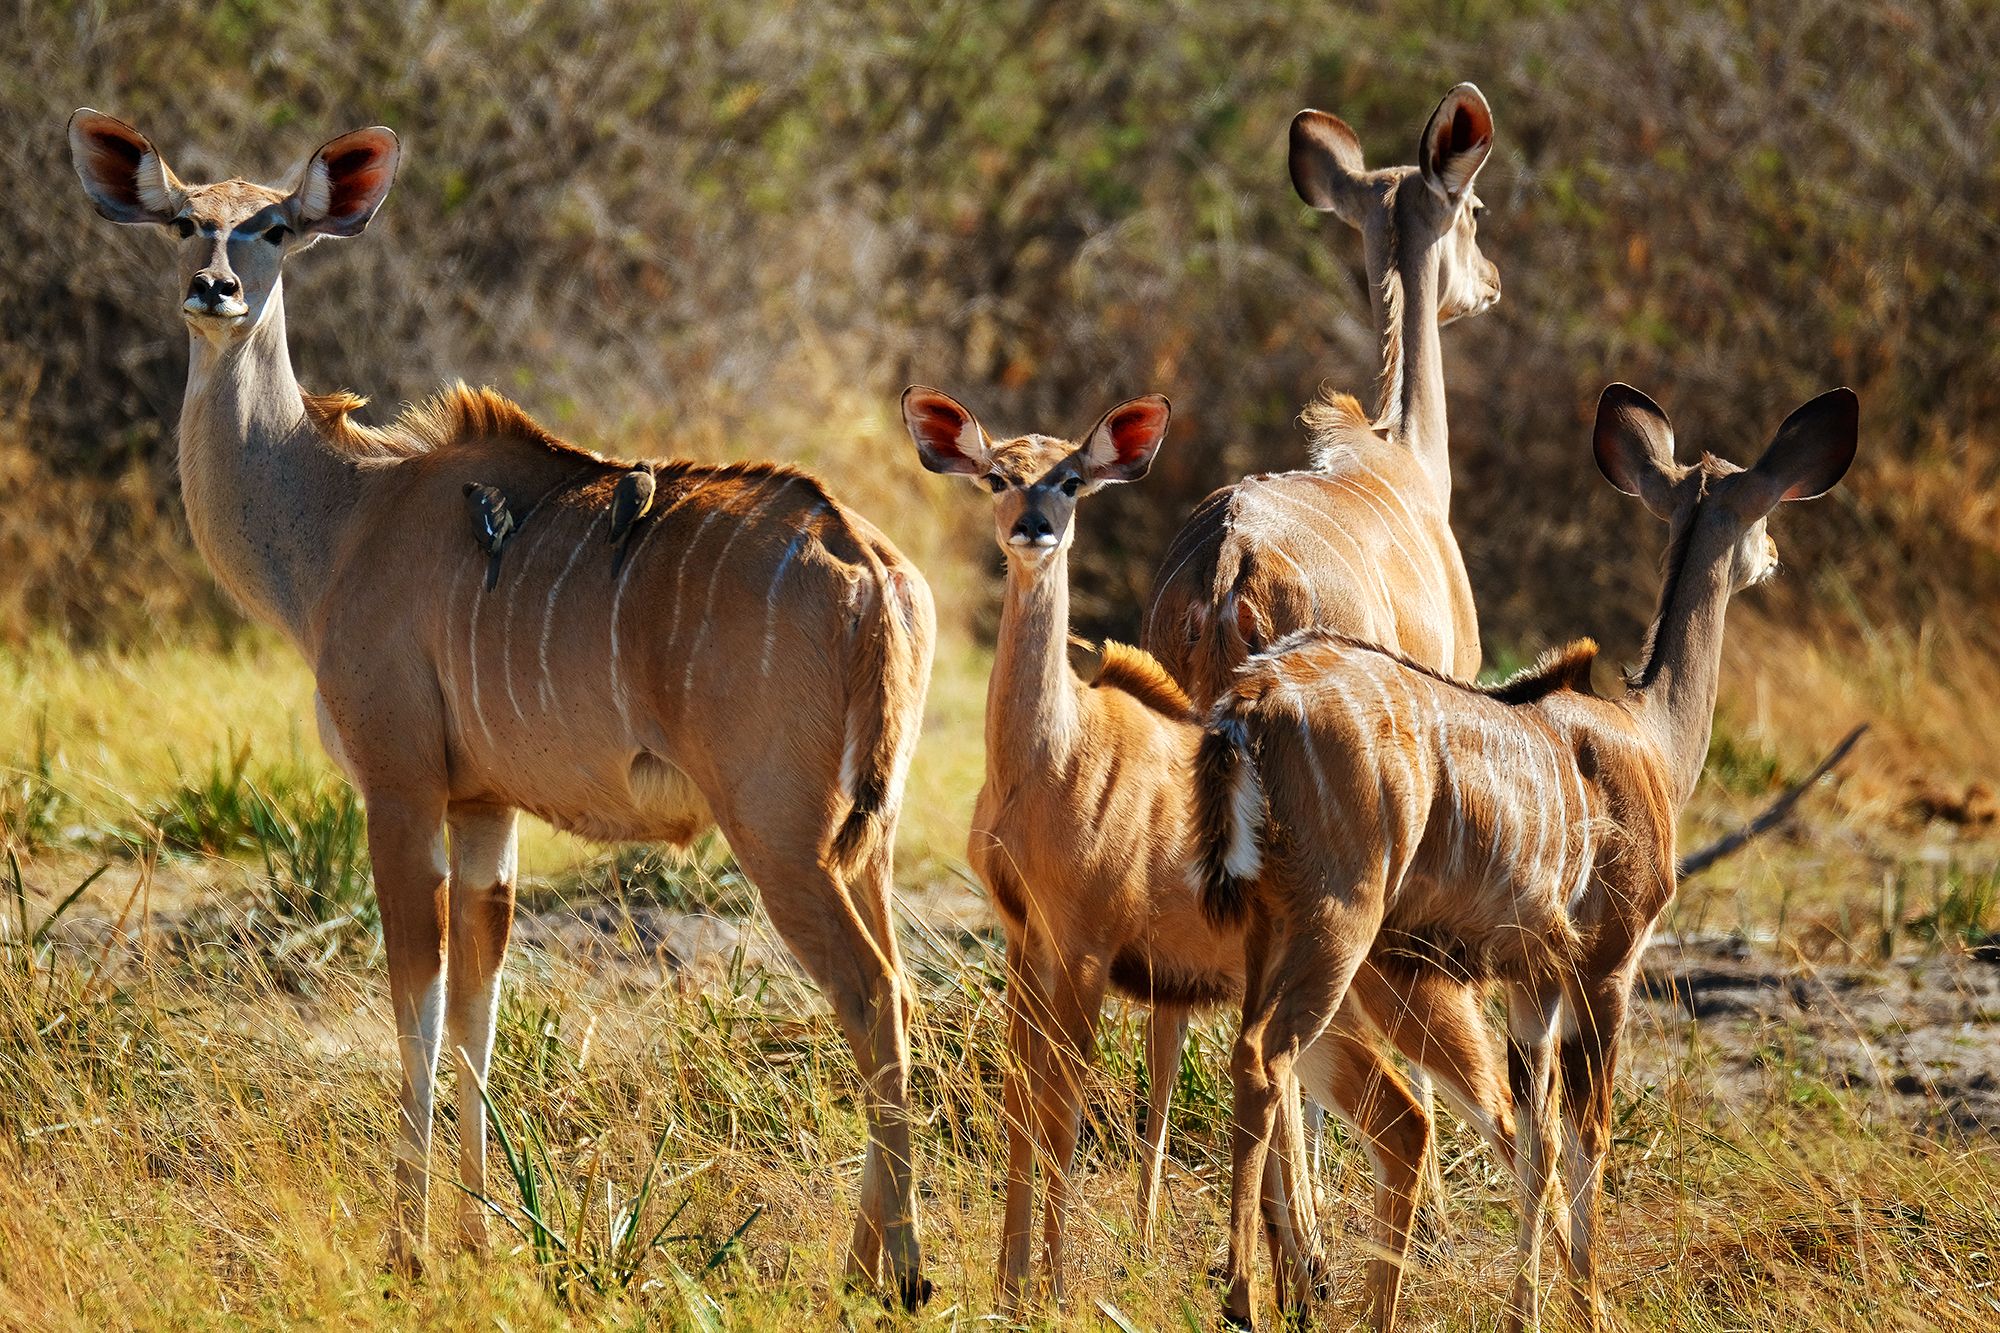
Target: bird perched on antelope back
[(630, 501), (492, 522)]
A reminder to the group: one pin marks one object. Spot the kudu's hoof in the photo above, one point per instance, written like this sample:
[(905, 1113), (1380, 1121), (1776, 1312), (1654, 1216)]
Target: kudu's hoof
[(915, 1291)]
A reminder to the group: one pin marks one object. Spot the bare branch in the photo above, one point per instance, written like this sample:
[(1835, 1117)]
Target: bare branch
[(1773, 814)]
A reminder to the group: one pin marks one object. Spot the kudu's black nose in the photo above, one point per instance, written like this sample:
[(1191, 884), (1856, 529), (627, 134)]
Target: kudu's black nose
[(1033, 528), (210, 285)]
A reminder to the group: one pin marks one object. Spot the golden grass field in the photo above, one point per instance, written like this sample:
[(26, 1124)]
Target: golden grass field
[(735, 231), (196, 1069)]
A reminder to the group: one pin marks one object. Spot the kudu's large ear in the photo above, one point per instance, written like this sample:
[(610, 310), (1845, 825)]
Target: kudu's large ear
[(345, 182), (1456, 142), (1634, 443), (948, 437), (1812, 451), (1120, 447), (121, 171), (1326, 164)]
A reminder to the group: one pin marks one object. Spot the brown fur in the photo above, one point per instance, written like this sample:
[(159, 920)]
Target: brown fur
[(1081, 835), (1524, 831), (758, 663), (1139, 674)]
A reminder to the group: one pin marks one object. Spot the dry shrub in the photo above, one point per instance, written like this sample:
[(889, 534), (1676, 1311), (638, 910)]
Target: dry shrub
[(707, 221)]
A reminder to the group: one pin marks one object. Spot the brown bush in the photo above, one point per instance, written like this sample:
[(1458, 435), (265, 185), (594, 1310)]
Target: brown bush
[(630, 215)]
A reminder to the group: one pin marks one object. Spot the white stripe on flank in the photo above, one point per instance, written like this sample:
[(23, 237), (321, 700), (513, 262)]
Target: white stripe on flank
[(545, 691), (771, 598), (1312, 525), (1166, 580), (617, 603), (743, 524), (1435, 589), (507, 629), (447, 677), (472, 656)]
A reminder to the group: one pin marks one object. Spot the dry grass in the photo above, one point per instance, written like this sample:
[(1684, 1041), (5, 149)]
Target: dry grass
[(206, 1143)]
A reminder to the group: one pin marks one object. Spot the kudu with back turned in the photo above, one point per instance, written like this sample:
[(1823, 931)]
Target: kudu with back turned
[(758, 663), (1081, 836), (1524, 832), (1360, 543)]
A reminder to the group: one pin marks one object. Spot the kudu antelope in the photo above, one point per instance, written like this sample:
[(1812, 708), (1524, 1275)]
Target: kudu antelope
[(1081, 837), (1361, 543), (1523, 833), (758, 664)]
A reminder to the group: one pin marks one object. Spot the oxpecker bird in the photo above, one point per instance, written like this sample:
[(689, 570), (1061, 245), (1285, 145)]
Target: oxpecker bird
[(492, 522), (630, 502)]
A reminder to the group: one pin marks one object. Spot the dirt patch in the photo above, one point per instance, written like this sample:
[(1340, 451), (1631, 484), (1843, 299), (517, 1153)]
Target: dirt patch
[(1921, 1035)]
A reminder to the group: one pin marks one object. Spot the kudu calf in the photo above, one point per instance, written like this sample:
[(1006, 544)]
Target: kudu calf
[(1523, 833), (1081, 835), (758, 662)]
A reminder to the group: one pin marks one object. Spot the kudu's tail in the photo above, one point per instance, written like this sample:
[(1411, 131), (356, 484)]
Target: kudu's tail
[(1229, 815), (888, 675)]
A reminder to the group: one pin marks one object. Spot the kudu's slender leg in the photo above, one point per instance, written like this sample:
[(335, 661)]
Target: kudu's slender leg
[(1439, 1022), (815, 913), (482, 917), (1250, 1128), (1166, 1038), (1076, 1000), (1586, 1061), (407, 850), (1027, 1018), (1531, 1074), (1346, 1067)]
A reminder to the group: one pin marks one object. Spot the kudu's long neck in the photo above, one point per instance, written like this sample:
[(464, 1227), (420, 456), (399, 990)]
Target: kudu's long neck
[(1413, 389), (1031, 701), (265, 493), (1677, 686)]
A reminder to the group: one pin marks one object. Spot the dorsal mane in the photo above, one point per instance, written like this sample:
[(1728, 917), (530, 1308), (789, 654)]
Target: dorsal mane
[(455, 412), (1337, 427), (1139, 674), (1562, 668)]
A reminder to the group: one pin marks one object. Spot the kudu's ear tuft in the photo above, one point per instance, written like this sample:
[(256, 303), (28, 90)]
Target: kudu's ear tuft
[(345, 182), (120, 169), (1634, 444), (1120, 447), (949, 438), (1813, 448), (1327, 170), (1456, 142)]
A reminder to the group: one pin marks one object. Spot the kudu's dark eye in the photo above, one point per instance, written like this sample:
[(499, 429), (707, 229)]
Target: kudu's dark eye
[(276, 234), (995, 482), (1478, 210), (1070, 484), (184, 226)]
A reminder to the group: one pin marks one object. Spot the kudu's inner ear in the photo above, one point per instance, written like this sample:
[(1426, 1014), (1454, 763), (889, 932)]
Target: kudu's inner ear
[(948, 437), (121, 171), (1326, 165), (1122, 444), (345, 182), (1813, 448), (1456, 142), (1634, 445)]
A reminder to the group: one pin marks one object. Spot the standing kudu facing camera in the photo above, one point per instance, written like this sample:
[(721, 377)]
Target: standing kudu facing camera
[(1081, 835), (757, 662)]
